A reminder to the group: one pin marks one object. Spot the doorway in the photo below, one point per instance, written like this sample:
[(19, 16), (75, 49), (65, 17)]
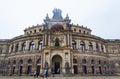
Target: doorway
[(38, 69), (29, 69), (84, 69), (100, 70), (20, 70), (93, 69), (56, 67), (13, 70), (75, 69), (57, 63)]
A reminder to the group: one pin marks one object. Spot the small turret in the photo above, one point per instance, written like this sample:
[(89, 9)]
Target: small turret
[(67, 17)]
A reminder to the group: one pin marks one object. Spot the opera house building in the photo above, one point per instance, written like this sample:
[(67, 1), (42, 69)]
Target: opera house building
[(59, 44)]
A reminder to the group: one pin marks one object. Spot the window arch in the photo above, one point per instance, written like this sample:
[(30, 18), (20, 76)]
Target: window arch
[(99, 62), (20, 62), (30, 61), (84, 61), (14, 62), (90, 46), (102, 48), (16, 47), (75, 61), (31, 48), (97, 47), (24, 46), (39, 61), (92, 61), (82, 44), (12, 48), (74, 44), (40, 44)]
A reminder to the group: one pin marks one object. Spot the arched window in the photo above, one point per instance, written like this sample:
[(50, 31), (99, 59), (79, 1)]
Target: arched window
[(97, 47), (99, 62), (90, 46), (92, 61), (84, 61), (74, 44), (20, 62), (39, 61), (75, 61), (14, 62), (82, 44), (12, 48), (30, 61), (31, 48), (16, 47), (102, 48), (40, 43), (24, 46)]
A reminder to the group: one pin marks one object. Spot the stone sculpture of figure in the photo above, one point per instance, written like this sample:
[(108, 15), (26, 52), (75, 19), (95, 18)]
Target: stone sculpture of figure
[(67, 68), (57, 14)]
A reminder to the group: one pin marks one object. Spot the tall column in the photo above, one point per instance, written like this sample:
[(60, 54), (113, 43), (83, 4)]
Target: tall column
[(49, 39), (86, 46), (27, 45), (36, 45), (20, 46)]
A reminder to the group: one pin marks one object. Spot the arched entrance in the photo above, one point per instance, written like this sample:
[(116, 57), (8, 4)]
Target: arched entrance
[(29, 69), (84, 66), (75, 66), (57, 63), (20, 67), (38, 66)]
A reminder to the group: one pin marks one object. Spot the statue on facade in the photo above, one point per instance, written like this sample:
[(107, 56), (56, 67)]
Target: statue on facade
[(67, 68), (57, 14)]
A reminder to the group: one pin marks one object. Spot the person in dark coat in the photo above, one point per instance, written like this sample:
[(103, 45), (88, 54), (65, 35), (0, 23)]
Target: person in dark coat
[(52, 72)]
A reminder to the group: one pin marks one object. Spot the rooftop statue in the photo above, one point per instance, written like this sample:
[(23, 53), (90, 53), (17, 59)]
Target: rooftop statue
[(57, 14)]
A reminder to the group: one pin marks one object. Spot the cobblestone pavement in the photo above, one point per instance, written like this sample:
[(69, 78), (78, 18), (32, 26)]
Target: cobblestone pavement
[(80, 77)]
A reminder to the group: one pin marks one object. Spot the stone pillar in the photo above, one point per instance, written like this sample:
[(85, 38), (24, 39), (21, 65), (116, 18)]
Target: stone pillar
[(36, 45), (23, 69), (20, 46), (27, 45), (70, 42), (45, 39), (14, 47), (17, 66), (100, 47), (49, 39), (94, 46), (26, 65), (34, 63), (86, 46)]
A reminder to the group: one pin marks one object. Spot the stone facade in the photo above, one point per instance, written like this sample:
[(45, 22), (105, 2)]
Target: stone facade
[(60, 45)]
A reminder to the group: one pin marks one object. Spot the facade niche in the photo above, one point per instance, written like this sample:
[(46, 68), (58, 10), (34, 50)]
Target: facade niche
[(57, 42)]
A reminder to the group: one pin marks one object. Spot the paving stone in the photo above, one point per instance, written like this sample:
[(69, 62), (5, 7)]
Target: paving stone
[(80, 77)]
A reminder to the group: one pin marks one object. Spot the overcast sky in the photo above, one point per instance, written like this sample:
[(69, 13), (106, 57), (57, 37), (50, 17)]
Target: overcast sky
[(101, 16)]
